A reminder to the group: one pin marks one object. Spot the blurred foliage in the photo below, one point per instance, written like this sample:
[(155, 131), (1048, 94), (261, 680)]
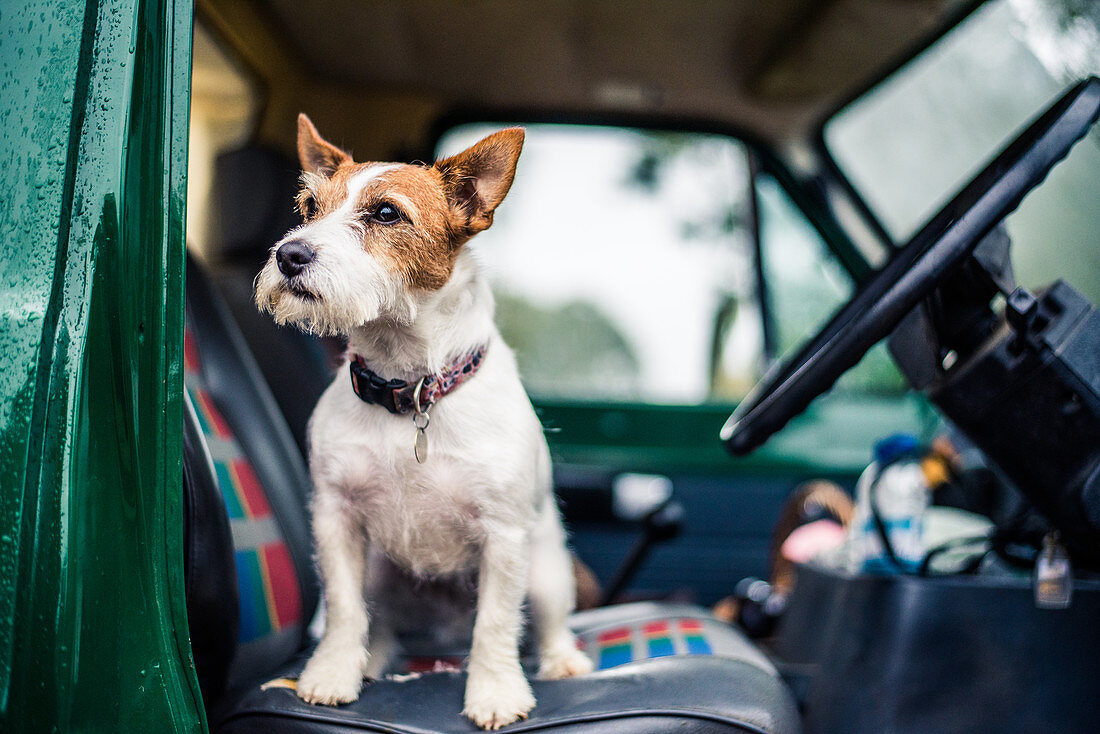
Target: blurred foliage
[(657, 152), (1071, 12), (657, 149), (568, 351), (1081, 18)]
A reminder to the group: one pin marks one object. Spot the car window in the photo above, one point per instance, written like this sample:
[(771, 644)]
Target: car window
[(622, 264), (224, 104), (806, 285), (913, 140)]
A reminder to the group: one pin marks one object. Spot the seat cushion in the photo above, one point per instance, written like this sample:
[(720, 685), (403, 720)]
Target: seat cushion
[(625, 633), (703, 676)]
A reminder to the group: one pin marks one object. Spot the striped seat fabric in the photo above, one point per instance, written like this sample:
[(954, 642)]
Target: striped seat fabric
[(270, 597), (651, 639), (629, 633)]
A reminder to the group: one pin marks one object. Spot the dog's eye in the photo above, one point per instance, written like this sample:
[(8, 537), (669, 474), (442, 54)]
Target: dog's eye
[(385, 214), (309, 208)]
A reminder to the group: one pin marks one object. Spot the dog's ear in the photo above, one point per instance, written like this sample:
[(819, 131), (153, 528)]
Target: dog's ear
[(478, 178), (316, 154)]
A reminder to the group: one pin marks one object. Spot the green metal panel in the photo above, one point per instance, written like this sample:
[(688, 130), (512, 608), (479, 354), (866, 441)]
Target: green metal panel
[(93, 135), (833, 436)]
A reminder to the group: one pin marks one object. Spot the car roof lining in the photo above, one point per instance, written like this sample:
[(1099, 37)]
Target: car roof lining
[(377, 73)]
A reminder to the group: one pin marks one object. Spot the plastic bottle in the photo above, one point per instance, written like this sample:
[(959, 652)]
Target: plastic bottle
[(895, 486)]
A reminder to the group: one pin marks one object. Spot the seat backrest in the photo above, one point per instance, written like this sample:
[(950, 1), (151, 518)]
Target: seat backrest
[(252, 201), (263, 483), (295, 365), (209, 573)]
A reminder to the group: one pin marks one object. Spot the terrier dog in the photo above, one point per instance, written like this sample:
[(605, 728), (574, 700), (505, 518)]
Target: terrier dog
[(380, 259)]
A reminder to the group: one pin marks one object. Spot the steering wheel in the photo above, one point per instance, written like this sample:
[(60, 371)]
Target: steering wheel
[(915, 270)]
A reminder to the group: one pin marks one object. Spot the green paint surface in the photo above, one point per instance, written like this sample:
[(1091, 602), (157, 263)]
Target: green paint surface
[(833, 436), (93, 135)]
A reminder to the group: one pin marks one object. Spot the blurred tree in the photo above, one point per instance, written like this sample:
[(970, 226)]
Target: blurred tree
[(657, 153), (1071, 12), (567, 351)]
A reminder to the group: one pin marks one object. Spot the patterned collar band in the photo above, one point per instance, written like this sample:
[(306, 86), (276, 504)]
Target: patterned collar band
[(399, 396)]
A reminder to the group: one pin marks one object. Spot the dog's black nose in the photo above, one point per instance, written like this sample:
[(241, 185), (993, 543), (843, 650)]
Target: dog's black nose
[(293, 257)]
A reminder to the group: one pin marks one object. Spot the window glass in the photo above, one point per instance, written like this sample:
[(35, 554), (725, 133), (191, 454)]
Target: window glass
[(224, 103), (622, 265), (911, 142), (806, 285), (1054, 232)]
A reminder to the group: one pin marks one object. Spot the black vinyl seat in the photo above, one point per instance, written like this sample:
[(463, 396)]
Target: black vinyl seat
[(670, 694), (252, 591)]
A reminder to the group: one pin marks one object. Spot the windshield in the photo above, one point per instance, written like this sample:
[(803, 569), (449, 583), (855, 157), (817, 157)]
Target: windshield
[(911, 142), (622, 264)]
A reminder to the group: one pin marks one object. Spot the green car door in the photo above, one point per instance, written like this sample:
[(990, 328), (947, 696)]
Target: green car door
[(93, 104)]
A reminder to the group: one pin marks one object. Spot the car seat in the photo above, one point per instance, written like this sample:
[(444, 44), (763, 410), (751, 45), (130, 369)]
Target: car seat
[(661, 667), (252, 207)]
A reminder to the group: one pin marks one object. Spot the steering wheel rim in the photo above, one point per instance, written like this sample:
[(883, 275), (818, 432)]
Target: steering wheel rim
[(914, 271)]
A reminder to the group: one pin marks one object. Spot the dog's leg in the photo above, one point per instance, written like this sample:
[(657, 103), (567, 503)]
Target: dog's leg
[(553, 596), (383, 644), (497, 693), (334, 673)]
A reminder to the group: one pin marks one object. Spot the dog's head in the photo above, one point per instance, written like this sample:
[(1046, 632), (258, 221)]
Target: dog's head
[(377, 237)]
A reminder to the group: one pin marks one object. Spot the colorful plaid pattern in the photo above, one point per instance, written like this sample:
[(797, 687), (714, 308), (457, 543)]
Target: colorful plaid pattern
[(654, 639), (658, 639), (268, 583)]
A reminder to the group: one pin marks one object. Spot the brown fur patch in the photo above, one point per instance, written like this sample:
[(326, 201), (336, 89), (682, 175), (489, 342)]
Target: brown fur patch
[(316, 154), (478, 179), (442, 206), (423, 245)]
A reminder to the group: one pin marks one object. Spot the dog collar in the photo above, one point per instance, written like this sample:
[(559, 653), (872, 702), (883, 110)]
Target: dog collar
[(400, 397)]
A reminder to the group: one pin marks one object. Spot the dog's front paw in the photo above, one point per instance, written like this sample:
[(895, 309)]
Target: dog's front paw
[(496, 701), (331, 678), (566, 664)]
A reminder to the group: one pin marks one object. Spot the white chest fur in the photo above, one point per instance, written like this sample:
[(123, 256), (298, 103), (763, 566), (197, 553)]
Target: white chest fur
[(488, 464)]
